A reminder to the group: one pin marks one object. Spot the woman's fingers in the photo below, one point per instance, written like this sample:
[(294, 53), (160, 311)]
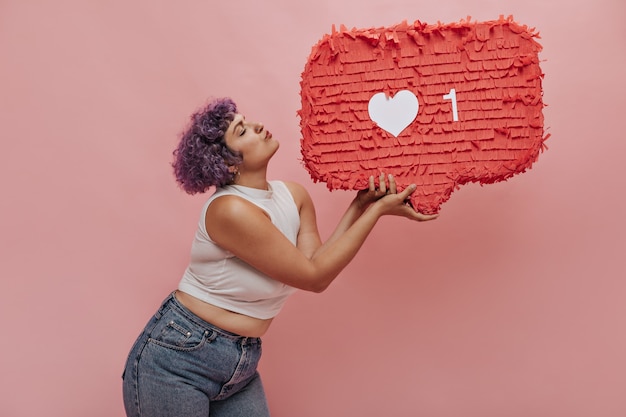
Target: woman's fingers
[(398, 201), (420, 217), (408, 191), (426, 217), (371, 184), (402, 206), (393, 189), (382, 185)]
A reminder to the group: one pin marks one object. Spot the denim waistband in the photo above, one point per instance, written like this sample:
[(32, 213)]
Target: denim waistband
[(172, 302)]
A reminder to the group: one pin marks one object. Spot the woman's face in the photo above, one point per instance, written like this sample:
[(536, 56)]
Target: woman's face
[(252, 141)]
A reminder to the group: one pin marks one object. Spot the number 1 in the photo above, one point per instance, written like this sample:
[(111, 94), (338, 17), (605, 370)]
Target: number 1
[(452, 96)]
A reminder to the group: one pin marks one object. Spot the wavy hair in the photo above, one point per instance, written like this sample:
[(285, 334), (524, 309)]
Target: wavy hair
[(202, 158)]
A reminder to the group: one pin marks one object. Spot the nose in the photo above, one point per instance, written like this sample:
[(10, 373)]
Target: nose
[(258, 127)]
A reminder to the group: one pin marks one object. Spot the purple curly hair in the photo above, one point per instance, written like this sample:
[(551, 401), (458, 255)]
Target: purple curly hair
[(202, 158)]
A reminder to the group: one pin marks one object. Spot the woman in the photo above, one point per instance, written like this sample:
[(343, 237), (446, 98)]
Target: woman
[(257, 242)]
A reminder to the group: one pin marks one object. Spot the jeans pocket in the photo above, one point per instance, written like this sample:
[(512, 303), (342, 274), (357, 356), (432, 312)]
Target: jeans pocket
[(176, 332)]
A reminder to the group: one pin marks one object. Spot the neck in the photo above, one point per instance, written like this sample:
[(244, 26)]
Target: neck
[(252, 181)]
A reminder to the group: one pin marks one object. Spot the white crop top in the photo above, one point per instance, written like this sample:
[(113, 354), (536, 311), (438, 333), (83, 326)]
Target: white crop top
[(216, 276)]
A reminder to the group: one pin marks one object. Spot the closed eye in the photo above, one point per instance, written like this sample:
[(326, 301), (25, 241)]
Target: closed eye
[(240, 125)]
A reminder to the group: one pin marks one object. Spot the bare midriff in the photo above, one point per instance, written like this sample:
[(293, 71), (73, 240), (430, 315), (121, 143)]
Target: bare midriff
[(224, 319)]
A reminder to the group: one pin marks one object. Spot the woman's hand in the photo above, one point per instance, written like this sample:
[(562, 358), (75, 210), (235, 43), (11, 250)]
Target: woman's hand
[(366, 197), (389, 201)]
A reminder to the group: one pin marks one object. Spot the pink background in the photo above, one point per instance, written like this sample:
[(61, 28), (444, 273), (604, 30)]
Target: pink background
[(512, 303)]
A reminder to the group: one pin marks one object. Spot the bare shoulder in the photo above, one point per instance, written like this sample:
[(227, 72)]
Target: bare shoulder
[(245, 230), (230, 205), (232, 212)]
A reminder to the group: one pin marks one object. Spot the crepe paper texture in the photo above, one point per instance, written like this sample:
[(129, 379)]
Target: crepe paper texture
[(479, 119)]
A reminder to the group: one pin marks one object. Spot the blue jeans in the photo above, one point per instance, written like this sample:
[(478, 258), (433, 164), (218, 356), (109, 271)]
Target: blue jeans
[(183, 366)]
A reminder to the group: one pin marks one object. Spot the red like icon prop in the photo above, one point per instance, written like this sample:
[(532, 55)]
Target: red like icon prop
[(435, 105)]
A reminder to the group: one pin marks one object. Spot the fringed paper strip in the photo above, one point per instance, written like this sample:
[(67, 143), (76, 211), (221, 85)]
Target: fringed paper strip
[(478, 86)]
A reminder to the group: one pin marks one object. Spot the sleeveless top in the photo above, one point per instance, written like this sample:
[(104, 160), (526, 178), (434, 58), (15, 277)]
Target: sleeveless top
[(216, 276)]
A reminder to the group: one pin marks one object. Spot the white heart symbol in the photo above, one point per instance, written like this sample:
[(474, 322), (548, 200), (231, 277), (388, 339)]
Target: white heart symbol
[(393, 114)]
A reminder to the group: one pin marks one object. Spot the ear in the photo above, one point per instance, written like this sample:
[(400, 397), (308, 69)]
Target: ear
[(233, 169)]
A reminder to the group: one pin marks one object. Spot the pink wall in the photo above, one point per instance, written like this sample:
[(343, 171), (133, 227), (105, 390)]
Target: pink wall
[(510, 304)]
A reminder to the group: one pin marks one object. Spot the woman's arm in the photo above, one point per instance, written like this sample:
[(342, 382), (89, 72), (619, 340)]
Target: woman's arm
[(357, 207), (245, 230), (309, 241)]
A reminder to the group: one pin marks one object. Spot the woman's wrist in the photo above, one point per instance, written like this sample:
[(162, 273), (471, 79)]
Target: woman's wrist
[(359, 205), (374, 209)]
